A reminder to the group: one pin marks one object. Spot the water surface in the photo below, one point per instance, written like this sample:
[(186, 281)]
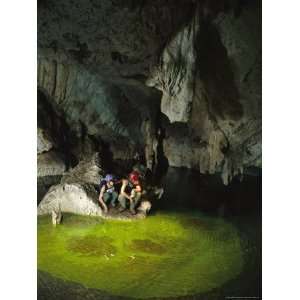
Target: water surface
[(186, 248)]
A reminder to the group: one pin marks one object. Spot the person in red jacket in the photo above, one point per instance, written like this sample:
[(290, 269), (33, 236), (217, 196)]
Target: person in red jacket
[(131, 190)]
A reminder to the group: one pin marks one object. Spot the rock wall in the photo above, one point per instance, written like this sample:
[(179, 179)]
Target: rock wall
[(113, 110), (112, 69), (93, 60), (210, 77)]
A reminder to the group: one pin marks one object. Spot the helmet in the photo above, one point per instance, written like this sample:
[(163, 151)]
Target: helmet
[(109, 177), (141, 169), (134, 176)]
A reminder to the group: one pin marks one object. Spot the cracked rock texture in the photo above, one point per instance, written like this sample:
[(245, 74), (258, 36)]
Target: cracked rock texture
[(115, 71), (88, 170)]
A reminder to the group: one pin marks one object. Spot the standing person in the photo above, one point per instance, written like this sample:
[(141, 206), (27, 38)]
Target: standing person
[(131, 190), (107, 192)]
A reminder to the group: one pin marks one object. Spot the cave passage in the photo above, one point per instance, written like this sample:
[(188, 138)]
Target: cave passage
[(175, 86)]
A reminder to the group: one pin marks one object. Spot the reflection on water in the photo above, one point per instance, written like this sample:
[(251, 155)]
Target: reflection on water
[(184, 248)]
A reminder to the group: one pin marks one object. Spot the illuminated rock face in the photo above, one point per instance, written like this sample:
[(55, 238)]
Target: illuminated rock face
[(71, 198), (112, 69), (209, 75)]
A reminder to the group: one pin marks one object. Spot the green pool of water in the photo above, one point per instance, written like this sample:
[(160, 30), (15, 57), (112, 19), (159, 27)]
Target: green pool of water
[(165, 255)]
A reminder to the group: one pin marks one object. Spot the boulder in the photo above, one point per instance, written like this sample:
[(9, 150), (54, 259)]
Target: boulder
[(44, 183), (144, 207), (77, 198)]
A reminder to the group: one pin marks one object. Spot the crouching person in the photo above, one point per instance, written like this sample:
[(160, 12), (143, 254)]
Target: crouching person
[(108, 195), (131, 190)]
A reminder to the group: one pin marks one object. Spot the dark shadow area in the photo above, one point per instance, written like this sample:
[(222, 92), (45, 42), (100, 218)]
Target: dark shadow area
[(188, 189), (215, 71), (162, 163), (55, 126), (107, 157), (48, 118)]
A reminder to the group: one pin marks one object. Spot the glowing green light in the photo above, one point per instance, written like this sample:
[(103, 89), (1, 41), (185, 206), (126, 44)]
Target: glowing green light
[(164, 255)]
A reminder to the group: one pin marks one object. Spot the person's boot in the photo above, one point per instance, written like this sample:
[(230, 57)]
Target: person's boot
[(121, 209), (132, 210)]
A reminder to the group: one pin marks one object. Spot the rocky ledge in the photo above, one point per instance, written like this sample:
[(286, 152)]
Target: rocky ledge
[(82, 199)]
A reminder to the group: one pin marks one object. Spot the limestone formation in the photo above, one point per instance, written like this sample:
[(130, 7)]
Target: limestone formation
[(52, 157), (44, 141), (144, 207), (56, 217), (50, 164), (115, 71), (76, 198), (209, 74), (88, 170)]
